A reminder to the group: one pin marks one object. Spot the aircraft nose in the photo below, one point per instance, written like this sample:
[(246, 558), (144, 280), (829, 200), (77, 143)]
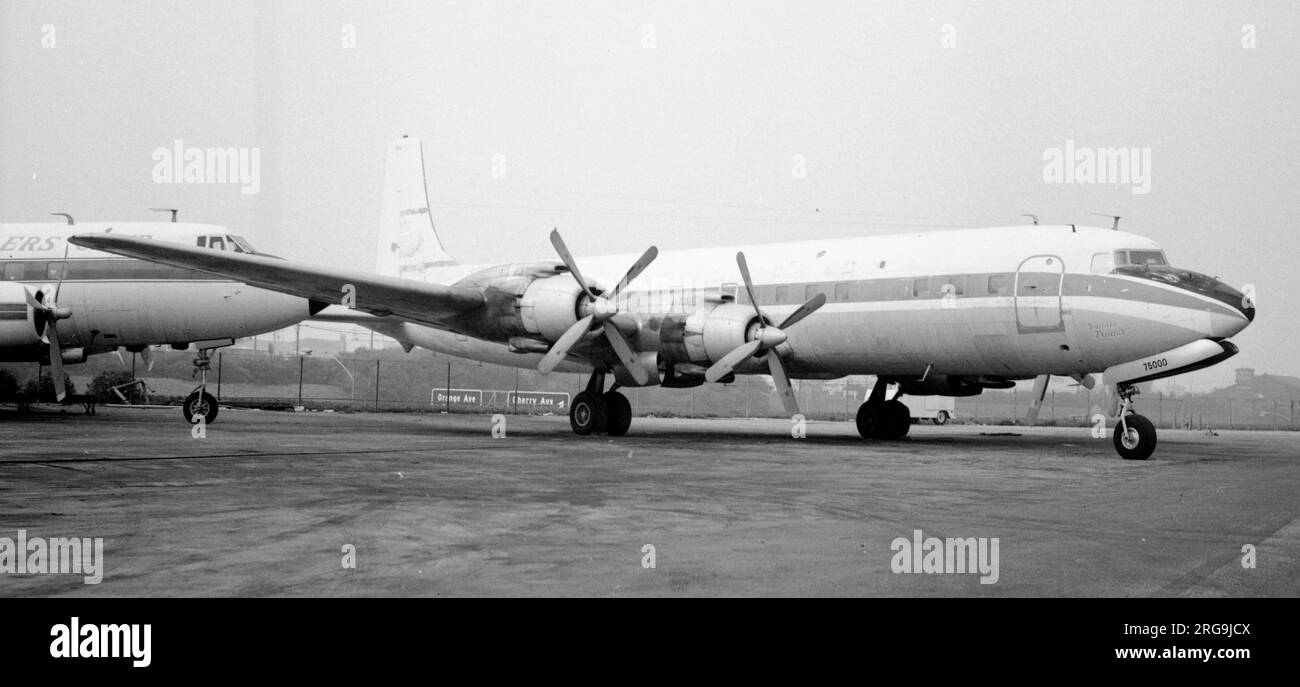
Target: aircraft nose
[(1242, 303)]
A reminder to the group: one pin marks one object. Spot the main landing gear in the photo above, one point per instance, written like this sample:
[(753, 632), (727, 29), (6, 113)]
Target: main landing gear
[(593, 412), (200, 403), (1135, 435), (881, 419)]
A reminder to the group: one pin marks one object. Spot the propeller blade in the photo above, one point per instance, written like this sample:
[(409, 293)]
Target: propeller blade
[(63, 270), (1036, 401), (146, 354), (120, 360), (723, 367), (32, 302), (623, 348), (569, 262), (749, 283), (561, 347), (804, 310), (783, 389), (56, 362), (636, 269)]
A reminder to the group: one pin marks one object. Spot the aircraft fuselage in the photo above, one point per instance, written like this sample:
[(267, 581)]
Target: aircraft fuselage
[(1008, 302), (122, 302)]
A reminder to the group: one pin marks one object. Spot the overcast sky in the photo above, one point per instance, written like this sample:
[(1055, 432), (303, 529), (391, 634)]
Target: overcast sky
[(675, 123)]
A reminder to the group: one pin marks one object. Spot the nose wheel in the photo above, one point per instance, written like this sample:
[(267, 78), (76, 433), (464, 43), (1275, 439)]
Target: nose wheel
[(1135, 435), (200, 403)]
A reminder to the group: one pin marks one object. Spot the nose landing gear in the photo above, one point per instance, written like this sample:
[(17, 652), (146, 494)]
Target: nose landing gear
[(1135, 435), (200, 403)]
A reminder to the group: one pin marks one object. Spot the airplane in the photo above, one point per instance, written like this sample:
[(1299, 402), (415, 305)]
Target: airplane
[(947, 313), (61, 303)]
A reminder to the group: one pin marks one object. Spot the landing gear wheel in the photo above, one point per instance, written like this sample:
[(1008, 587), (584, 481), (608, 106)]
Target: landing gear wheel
[(618, 414), (587, 413), (1139, 442), (941, 418), (897, 420), (888, 420), (200, 404), (868, 419)]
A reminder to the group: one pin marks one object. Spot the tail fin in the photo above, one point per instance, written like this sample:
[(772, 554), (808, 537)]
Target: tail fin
[(408, 243)]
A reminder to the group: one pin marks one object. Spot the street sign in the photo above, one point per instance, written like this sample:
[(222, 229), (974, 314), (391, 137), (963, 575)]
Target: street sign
[(463, 397), (547, 400)]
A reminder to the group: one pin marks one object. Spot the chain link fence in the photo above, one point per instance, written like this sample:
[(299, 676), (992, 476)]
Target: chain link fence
[(423, 381)]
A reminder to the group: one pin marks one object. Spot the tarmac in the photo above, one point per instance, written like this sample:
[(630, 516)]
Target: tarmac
[(387, 504)]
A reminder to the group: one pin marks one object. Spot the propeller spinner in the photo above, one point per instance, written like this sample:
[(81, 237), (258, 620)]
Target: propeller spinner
[(765, 338), (599, 309)]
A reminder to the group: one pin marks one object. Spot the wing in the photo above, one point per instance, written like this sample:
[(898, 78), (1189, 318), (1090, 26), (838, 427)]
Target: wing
[(431, 304)]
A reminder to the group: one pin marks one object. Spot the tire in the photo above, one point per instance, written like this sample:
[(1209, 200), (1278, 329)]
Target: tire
[(888, 420), (200, 404), (1139, 442), (868, 420), (941, 418), (898, 420), (618, 414), (587, 413)]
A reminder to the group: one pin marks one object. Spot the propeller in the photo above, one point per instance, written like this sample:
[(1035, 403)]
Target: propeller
[(49, 314), (1036, 401), (764, 339), (599, 308)]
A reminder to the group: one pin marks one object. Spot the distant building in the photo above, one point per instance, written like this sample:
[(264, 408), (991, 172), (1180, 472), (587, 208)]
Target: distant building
[(1169, 387), (1268, 387)]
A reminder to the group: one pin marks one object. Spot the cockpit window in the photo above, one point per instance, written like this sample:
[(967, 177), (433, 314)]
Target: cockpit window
[(1189, 281), (1140, 257), (1192, 281), (229, 242)]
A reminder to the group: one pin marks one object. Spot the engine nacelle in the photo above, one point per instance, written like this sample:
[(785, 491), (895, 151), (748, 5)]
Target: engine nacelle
[(942, 385), (17, 319), (549, 306), (709, 335), (516, 298)]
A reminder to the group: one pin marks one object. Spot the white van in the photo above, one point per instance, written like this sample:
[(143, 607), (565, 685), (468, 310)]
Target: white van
[(937, 409)]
